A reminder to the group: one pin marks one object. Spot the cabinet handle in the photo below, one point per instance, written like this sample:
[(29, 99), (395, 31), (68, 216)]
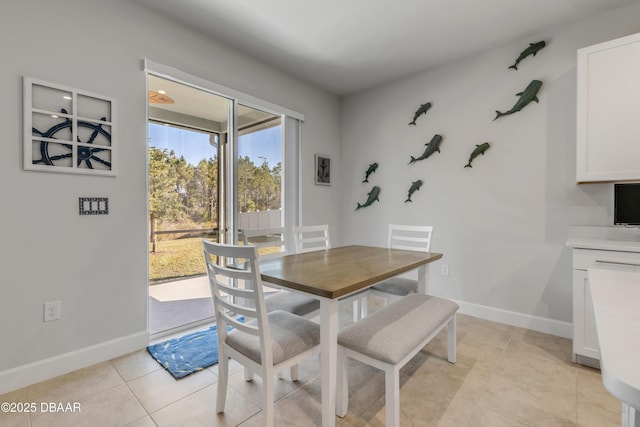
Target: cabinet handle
[(633, 264)]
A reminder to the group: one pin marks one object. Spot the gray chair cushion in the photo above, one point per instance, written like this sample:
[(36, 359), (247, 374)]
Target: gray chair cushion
[(290, 336), (393, 332), (397, 286), (292, 302)]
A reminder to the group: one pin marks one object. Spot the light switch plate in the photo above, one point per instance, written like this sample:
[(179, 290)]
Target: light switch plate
[(93, 205)]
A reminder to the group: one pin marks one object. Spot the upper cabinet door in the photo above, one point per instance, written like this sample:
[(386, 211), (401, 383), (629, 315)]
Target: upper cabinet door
[(608, 113)]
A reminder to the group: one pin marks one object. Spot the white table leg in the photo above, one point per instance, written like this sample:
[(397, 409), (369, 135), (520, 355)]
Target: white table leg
[(328, 359), (423, 279)]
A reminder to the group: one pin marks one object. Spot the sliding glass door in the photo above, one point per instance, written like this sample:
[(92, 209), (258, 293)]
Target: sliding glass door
[(216, 166)]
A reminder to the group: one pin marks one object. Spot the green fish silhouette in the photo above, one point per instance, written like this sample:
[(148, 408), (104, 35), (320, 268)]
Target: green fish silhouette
[(531, 50), (526, 97), (480, 149), (372, 169), (415, 186), (373, 196), (422, 110)]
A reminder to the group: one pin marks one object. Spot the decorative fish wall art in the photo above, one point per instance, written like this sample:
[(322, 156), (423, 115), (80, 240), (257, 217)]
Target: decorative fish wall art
[(372, 169), (373, 196), (432, 147), (531, 50), (420, 111), (528, 95), (415, 186), (480, 149)]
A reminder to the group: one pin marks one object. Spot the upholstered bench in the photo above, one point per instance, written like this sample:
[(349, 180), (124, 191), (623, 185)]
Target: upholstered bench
[(388, 339)]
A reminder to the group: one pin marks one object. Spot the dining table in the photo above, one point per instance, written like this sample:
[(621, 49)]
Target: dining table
[(334, 274)]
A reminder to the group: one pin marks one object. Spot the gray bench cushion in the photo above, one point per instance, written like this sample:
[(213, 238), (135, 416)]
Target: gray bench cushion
[(397, 286), (290, 336), (292, 302), (393, 332)]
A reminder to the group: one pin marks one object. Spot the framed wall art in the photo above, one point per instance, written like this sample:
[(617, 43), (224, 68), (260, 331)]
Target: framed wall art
[(68, 130), (323, 170)]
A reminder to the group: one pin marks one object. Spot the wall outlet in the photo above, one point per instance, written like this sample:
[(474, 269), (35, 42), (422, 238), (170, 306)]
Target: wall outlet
[(444, 269), (51, 311)]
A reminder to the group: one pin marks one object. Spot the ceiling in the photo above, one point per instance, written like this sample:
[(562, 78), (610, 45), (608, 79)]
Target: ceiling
[(345, 46), (199, 109)]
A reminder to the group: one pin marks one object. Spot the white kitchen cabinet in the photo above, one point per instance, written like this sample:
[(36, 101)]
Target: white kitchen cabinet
[(608, 101), (585, 337)]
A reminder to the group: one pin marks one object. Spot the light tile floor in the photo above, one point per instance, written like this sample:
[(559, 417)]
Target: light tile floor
[(504, 376)]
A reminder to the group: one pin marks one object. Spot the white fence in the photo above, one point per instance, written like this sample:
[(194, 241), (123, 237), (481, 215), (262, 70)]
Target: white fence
[(264, 219)]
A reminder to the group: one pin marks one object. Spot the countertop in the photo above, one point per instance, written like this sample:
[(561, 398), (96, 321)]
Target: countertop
[(624, 239), (616, 300), (603, 244)]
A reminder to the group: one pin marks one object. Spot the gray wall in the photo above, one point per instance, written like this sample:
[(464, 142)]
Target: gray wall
[(502, 224), (97, 265)]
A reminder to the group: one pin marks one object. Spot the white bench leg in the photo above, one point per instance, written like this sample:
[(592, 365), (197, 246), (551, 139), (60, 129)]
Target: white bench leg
[(293, 372), (342, 386), (451, 338), (392, 395)]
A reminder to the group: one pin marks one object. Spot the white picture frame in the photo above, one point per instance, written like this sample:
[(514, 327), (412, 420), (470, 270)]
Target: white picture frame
[(67, 130)]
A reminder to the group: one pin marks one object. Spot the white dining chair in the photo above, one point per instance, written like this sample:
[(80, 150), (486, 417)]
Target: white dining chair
[(265, 343), (407, 237), (270, 243), (310, 238)]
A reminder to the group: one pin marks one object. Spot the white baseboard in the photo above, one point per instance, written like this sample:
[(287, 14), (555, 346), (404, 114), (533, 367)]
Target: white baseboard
[(535, 323), (32, 373), (25, 375)]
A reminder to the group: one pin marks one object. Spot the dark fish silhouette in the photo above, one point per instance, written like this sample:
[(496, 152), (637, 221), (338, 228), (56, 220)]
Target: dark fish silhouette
[(420, 111), (432, 147), (531, 50), (372, 169), (415, 186), (526, 97), (480, 149), (373, 196)]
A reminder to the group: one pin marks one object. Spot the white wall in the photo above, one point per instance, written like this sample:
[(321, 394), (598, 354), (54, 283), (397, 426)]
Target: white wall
[(502, 224), (96, 266)]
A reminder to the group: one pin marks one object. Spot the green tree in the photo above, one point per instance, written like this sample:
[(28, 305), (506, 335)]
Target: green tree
[(206, 183), (164, 200), (246, 191)]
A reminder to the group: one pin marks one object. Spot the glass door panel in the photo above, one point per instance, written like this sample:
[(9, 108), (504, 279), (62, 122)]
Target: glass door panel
[(259, 170), (186, 129)]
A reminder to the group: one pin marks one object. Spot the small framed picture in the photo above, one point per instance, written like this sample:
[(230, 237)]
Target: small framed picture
[(323, 170)]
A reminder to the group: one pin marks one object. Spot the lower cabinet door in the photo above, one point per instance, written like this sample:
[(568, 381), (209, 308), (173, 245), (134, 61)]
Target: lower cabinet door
[(585, 336)]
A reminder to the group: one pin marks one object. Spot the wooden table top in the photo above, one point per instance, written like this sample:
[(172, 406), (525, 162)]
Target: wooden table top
[(337, 272)]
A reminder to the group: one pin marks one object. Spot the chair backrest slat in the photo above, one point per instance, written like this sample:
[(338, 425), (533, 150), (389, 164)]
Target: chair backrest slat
[(410, 237), (269, 241), (236, 308), (311, 238), (232, 272), (242, 326)]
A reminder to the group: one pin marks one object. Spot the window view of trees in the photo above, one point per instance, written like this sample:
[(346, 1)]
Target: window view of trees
[(184, 196), (180, 192)]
